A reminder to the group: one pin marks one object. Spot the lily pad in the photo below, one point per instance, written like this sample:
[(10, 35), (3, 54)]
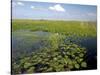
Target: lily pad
[(84, 64), (77, 66), (26, 65)]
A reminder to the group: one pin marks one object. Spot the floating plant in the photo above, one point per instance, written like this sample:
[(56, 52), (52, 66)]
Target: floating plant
[(63, 58)]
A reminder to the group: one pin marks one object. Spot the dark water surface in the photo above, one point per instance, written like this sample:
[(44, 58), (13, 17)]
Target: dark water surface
[(91, 56)]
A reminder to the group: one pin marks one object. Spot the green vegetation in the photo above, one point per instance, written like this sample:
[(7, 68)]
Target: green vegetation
[(64, 27), (64, 52), (63, 58)]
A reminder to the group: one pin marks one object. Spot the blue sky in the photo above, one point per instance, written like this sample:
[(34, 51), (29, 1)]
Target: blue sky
[(53, 11)]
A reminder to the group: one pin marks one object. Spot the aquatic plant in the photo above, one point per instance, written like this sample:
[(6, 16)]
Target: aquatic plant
[(63, 58)]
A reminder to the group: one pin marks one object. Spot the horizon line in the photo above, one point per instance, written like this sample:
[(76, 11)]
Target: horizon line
[(52, 19)]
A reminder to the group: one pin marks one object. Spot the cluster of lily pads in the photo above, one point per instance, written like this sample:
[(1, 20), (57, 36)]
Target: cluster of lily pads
[(65, 57)]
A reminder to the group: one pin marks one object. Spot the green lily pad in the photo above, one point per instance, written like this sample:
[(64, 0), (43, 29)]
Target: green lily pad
[(81, 55), (26, 65), (77, 66), (80, 60), (84, 64)]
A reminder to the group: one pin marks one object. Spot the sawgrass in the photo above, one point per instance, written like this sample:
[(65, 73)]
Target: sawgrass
[(63, 27)]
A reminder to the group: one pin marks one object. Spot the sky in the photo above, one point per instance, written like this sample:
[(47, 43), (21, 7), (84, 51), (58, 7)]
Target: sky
[(53, 11)]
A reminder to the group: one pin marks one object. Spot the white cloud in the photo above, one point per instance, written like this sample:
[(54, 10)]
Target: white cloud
[(32, 7), (52, 8), (57, 7), (20, 3)]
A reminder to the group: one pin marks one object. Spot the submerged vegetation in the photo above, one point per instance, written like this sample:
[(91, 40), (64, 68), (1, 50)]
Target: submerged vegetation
[(63, 51)]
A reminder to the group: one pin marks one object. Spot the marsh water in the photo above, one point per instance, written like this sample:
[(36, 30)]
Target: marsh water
[(25, 42), (91, 56)]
